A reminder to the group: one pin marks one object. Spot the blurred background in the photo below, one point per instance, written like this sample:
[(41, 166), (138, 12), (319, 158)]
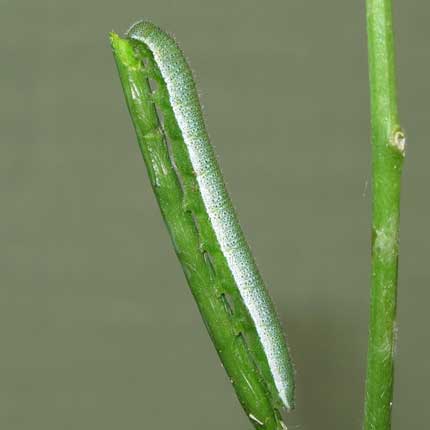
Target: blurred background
[(98, 328)]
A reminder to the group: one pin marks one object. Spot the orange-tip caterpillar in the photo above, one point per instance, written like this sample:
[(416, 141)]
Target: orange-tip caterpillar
[(186, 179)]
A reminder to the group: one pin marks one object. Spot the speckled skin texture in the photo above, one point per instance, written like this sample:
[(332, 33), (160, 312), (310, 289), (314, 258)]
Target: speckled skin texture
[(184, 102)]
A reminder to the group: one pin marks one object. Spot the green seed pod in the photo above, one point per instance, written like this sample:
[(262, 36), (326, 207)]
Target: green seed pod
[(186, 179)]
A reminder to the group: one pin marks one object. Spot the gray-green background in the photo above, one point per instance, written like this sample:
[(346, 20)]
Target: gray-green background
[(98, 330)]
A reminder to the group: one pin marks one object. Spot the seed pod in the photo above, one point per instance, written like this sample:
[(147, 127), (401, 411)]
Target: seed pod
[(186, 179)]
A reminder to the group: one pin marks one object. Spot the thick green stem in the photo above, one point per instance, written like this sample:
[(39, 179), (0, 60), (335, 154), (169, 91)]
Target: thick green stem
[(388, 147)]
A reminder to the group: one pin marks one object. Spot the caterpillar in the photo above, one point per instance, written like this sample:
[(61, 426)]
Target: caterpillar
[(163, 103)]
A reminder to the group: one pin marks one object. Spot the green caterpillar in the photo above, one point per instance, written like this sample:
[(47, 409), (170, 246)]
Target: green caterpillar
[(202, 223)]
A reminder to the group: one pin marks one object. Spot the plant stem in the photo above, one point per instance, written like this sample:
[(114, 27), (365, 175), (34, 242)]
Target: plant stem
[(388, 147)]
